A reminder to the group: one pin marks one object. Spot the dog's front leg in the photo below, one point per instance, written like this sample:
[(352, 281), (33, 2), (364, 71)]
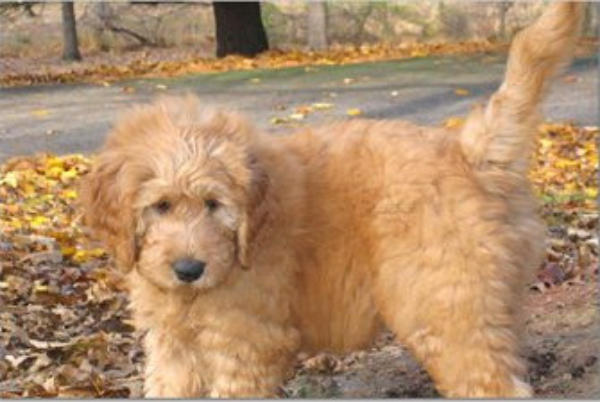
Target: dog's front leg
[(249, 363), (172, 370), (236, 376)]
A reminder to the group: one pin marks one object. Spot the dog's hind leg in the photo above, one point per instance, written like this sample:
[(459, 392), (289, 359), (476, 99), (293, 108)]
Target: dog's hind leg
[(471, 369), (453, 293), (461, 327), (450, 287)]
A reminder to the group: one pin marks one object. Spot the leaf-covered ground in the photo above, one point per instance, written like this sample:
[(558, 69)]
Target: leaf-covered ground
[(105, 68), (152, 63), (65, 330)]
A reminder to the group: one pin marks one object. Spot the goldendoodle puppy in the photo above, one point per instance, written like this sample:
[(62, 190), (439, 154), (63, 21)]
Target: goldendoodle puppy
[(242, 248)]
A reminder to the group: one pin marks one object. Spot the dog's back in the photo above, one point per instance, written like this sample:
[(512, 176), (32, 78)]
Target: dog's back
[(434, 231)]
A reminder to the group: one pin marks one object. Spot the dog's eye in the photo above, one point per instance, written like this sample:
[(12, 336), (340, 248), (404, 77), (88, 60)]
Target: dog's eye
[(211, 204), (162, 207)]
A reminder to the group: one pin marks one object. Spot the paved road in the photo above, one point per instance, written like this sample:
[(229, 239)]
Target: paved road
[(75, 118)]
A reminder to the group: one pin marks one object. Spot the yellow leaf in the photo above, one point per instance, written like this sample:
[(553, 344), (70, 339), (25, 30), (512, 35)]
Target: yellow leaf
[(591, 192), (418, 53), (461, 92), (322, 105), (570, 187), (38, 221), (11, 179), (454, 122), (39, 288), (51, 183), (54, 172), (68, 175), (69, 194), (354, 112), (590, 147), (82, 256), (53, 161), (67, 251), (97, 252), (40, 112), (546, 143), (566, 163), (15, 224), (28, 189), (278, 120), (297, 116)]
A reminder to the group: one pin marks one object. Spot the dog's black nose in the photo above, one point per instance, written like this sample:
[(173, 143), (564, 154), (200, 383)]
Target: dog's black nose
[(188, 269)]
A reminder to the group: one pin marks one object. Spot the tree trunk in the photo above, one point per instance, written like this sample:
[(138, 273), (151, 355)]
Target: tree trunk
[(239, 28), (317, 25), (71, 48), (102, 13), (504, 7), (589, 20), (596, 24)]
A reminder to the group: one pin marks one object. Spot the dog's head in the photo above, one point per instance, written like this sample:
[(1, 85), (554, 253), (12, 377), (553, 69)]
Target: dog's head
[(172, 191)]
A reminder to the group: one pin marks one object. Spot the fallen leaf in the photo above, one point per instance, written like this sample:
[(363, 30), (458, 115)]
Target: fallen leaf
[(322, 105), (48, 344), (571, 79), (40, 112), (278, 120), (11, 179), (454, 122)]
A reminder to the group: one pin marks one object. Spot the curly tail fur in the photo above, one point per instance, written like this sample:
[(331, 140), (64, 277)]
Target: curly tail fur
[(502, 134)]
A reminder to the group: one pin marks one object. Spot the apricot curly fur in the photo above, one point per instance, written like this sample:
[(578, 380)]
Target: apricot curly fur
[(316, 240)]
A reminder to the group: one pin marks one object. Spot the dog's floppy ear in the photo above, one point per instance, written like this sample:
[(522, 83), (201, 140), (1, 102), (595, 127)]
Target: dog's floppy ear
[(106, 196), (255, 213)]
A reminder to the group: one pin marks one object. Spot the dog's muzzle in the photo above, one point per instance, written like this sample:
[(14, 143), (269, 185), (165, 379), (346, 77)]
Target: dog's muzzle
[(188, 269)]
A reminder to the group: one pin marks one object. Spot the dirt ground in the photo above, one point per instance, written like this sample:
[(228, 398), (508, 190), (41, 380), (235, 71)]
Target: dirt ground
[(561, 345)]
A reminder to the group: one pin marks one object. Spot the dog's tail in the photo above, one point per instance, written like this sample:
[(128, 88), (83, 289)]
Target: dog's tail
[(501, 135)]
